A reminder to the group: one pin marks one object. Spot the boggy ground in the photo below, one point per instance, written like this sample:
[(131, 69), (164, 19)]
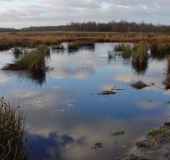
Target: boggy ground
[(156, 146)]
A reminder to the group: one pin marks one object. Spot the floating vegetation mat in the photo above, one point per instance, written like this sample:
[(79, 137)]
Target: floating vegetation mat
[(97, 145), (107, 92), (117, 133), (139, 84)]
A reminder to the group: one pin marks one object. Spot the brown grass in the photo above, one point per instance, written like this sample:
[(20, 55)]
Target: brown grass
[(32, 39)]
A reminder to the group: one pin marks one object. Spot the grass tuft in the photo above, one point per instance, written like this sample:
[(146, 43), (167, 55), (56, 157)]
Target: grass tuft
[(31, 61), (140, 55), (12, 145)]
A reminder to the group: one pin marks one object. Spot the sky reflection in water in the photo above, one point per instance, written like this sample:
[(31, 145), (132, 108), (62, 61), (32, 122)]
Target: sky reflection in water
[(65, 118)]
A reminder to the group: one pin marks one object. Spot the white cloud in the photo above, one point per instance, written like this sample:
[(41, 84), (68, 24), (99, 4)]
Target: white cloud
[(54, 12)]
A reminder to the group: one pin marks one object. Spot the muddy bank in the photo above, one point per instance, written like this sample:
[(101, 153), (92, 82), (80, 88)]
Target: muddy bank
[(156, 145)]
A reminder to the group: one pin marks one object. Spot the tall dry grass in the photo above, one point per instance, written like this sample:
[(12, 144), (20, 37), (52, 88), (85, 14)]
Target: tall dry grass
[(32, 39)]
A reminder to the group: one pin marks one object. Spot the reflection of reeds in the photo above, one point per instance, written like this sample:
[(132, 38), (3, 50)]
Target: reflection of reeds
[(140, 68), (138, 84), (166, 82), (12, 145), (110, 55), (31, 61), (37, 78)]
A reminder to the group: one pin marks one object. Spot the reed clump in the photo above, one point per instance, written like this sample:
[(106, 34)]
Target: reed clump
[(125, 48), (31, 61), (12, 143), (73, 46), (58, 47), (119, 47), (127, 51), (159, 49), (140, 54), (79, 44), (4, 45)]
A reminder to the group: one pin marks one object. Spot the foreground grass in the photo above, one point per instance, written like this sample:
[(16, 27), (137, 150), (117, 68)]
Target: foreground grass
[(33, 39), (12, 145)]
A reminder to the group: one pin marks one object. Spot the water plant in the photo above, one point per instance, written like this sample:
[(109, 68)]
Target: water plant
[(97, 145), (31, 61), (154, 132), (138, 84), (12, 143), (117, 133)]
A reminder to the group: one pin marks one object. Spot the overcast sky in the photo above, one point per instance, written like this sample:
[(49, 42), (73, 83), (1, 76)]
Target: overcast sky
[(25, 13)]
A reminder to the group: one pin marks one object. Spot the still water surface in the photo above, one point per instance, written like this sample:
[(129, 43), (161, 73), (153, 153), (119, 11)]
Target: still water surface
[(65, 118)]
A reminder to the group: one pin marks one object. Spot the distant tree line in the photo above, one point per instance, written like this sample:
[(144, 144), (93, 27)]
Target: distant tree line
[(113, 26), (8, 30)]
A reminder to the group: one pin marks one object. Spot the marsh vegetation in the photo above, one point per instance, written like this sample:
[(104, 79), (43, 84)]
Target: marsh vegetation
[(12, 142), (31, 61), (33, 39), (73, 79)]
